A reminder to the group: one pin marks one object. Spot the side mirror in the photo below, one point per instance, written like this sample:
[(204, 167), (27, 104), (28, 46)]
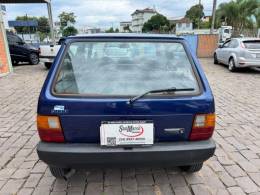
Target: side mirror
[(220, 46)]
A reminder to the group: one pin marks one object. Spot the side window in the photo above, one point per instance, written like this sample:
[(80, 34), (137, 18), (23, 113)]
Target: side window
[(226, 31), (236, 44), (9, 39), (18, 39), (226, 44), (14, 40), (233, 44)]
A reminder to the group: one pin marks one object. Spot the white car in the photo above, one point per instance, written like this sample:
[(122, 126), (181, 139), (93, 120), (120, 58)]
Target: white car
[(49, 52), (239, 53)]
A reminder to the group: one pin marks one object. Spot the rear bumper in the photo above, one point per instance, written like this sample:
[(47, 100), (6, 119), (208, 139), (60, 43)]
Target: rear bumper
[(92, 155), (248, 63), (48, 59)]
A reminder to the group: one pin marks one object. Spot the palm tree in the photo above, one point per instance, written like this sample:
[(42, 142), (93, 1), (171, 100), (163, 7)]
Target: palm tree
[(239, 14)]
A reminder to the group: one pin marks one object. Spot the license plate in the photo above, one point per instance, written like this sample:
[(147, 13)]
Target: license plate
[(124, 133)]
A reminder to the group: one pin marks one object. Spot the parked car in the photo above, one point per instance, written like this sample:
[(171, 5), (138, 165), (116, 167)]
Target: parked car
[(21, 51), (239, 53), (125, 100), (49, 52)]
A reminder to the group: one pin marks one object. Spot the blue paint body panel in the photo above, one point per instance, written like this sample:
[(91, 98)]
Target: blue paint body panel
[(83, 115), (192, 41)]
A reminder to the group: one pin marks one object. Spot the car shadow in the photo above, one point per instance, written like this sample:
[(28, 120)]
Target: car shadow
[(243, 70)]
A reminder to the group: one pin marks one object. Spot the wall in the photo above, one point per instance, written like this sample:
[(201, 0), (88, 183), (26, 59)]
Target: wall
[(204, 45), (182, 27), (4, 61), (207, 45)]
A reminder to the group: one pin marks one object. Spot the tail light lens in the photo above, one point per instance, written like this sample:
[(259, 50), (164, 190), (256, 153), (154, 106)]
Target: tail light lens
[(242, 45), (203, 127), (49, 128)]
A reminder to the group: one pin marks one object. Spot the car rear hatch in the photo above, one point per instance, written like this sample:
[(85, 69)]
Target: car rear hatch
[(172, 118), (253, 49), (88, 99)]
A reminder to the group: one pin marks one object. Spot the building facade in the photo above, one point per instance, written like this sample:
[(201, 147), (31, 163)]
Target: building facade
[(139, 17), (182, 25), (125, 26), (89, 30)]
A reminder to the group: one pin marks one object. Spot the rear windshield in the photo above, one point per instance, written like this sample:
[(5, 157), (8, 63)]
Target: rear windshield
[(123, 68), (255, 44)]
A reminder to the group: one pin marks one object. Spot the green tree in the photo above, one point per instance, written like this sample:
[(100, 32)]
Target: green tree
[(66, 17), (110, 30), (239, 14), (195, 13), (69, 31), (157, 23), (43, 28), (43, 25), (127, 28)]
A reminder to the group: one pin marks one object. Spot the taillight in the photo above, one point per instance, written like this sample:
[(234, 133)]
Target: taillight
[(242, 45), (203, 126), (49, 128)]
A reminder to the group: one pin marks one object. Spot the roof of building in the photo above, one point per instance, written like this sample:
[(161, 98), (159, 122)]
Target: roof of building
[(146, 10), (182, 20)]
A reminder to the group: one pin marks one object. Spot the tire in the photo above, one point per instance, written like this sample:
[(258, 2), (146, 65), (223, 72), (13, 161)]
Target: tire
[(34, 58), (48, 65), (192, 168), (14, 62), (215, 59), (231, 65), (58, 172)]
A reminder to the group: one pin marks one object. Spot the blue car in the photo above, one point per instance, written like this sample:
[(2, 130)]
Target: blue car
[(120, 100)]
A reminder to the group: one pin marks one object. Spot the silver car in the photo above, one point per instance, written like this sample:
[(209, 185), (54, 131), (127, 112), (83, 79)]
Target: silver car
[(239, 53)]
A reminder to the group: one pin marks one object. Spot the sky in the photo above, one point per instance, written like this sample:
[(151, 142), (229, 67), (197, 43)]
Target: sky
[(106, 13)]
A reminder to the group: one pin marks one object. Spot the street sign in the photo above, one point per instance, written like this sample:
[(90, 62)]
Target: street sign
[(14, 23)]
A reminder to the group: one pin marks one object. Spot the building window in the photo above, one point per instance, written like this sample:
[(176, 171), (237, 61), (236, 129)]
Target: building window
[(188, 25), (179, 25)]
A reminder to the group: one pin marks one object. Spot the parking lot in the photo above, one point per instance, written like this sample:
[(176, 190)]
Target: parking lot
[(234, 169)]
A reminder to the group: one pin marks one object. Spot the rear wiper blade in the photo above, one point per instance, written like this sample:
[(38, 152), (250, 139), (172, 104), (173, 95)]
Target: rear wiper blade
[(173, 89)]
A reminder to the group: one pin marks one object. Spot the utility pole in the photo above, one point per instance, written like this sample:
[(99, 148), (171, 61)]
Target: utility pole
[(199, 16), (48, 2), (213, 16)]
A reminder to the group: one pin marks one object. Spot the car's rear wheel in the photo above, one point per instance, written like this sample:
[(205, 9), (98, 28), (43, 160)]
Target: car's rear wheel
[(231, 65), (215, 59), (58, 172), (192, 168), (34, 58), (14, 62), (48, 65)]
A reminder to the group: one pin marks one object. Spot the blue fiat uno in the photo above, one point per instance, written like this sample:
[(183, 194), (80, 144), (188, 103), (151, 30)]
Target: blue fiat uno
[(125, 100)]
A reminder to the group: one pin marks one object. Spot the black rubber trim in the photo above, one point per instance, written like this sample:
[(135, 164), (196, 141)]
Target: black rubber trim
[(52, 57), (92, 155)]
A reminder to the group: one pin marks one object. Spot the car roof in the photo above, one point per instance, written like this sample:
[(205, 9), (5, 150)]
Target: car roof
[(126, 35)]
